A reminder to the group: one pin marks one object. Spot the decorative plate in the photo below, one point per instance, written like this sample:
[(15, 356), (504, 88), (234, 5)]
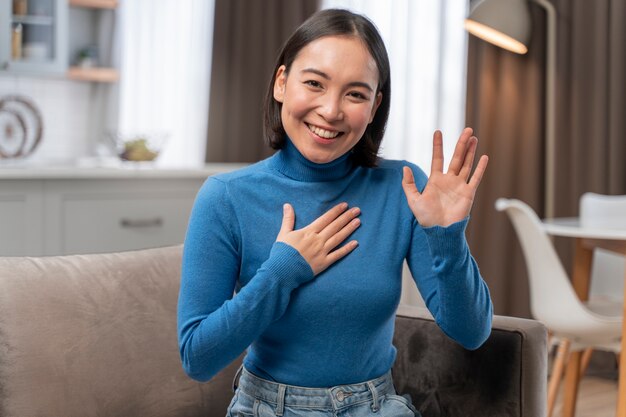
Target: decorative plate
[(21, 126)]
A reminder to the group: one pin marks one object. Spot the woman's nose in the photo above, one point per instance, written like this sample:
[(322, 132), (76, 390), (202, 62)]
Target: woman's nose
[(331, 108)]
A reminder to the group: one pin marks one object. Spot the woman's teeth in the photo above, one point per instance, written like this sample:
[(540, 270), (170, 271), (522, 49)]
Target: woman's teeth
[(323, 133)]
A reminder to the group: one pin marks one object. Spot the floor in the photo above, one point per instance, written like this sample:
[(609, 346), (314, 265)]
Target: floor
[(597, 398)]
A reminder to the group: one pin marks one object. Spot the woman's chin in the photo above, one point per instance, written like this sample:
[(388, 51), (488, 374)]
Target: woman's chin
[(320, 156), (319, 160)]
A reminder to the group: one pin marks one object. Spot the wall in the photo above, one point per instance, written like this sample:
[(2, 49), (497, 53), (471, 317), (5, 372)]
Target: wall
[(66, 111)]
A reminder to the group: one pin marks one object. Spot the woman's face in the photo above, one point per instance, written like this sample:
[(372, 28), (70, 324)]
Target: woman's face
[(329, 96)]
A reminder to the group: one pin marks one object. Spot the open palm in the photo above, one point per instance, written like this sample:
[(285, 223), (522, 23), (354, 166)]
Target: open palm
[(447, 197)]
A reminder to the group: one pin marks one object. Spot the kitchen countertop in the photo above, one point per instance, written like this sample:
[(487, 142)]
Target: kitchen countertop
[(81, 170)]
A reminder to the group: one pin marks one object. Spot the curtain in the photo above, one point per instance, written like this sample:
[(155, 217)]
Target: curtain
[(426, 43), (591, 100), (165, 70), (248, 36), (505, 105)]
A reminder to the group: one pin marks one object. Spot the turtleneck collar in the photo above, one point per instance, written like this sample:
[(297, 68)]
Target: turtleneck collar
[(290, 162)]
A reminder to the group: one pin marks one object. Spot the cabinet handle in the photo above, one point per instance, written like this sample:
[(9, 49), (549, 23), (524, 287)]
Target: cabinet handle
[(140, 223)]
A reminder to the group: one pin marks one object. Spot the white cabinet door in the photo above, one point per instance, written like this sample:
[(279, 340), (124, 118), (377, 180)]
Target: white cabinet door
[(33, 37), (21, 218), (114, 215)]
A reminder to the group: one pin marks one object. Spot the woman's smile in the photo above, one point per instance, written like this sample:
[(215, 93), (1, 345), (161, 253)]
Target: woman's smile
[(323, 133)]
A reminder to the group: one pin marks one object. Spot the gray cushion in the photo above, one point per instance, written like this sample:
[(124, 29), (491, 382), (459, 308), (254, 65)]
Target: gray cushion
[(504, 377)]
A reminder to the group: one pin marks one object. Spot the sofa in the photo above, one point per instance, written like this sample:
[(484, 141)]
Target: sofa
[(95, 335)]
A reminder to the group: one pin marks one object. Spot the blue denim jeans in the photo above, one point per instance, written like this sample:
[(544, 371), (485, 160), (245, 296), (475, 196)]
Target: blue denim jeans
[(257, 397)]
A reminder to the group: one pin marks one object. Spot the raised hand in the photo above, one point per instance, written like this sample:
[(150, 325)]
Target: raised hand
[(317, 241), (447, 198)]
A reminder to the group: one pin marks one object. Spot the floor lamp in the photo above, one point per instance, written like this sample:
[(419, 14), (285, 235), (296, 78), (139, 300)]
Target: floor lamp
[(507, 24)]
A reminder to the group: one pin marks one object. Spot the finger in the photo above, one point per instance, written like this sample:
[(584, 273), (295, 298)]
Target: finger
[(339, 223), (478, 173), (459, 151), (466, 169), (437, 162), (336, 255), (408, 183), (327, 218), (289, 220), (336, 239)]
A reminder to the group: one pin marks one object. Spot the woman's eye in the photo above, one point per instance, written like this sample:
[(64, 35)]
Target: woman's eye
[(357, 95), (313, 83)]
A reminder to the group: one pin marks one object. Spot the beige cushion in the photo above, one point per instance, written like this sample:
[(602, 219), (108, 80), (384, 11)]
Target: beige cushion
[(95, 335)]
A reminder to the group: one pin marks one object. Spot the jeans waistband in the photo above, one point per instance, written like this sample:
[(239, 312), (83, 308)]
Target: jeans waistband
[(334, 398)]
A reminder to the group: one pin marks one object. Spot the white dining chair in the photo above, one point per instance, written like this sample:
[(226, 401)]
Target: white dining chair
[(608, 268), (553, 301)]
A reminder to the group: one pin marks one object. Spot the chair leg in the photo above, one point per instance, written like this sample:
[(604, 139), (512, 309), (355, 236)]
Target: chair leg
[(557, 374), (572, 380), (585, 361)]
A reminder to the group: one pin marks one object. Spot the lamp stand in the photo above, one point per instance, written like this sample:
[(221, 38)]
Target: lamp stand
[(550, 146)]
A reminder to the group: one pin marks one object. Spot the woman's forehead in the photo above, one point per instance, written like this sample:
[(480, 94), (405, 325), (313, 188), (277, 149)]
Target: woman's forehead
[(339, 56)]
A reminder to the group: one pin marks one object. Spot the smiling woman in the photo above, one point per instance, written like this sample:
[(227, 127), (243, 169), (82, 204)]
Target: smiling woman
[(316, 292), (358, 97), (329, 97)]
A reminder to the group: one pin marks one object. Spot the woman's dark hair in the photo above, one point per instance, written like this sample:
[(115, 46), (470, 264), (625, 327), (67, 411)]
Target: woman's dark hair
[(333, 22)]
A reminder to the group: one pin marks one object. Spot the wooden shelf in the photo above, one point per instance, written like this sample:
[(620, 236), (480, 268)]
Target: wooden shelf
[(96, 4), (33, 20), (101, 75)]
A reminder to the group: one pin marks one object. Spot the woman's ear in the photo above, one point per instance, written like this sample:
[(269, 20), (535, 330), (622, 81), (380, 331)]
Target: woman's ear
[(280, 82), (377, 101)]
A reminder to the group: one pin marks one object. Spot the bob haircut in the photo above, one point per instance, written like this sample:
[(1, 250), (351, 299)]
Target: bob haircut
[(334, 22)]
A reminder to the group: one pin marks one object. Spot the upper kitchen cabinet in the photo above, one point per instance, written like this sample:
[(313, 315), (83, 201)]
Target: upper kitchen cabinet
[(33, 36), (69, 38), (92, 29)]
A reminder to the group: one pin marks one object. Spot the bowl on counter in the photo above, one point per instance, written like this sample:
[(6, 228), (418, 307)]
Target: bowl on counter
[(139, 147)]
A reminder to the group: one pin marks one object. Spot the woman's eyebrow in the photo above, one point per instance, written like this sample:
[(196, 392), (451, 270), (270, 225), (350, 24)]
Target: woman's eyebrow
[(326, 76)]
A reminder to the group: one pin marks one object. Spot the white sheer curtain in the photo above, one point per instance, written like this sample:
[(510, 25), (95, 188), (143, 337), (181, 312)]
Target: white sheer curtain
[(165, 64), (426, 43)]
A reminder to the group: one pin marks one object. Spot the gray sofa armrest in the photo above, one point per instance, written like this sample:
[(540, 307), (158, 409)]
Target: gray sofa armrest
[(504, 377)]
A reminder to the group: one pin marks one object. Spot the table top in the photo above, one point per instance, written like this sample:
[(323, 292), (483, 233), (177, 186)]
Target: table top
[(573, 227)]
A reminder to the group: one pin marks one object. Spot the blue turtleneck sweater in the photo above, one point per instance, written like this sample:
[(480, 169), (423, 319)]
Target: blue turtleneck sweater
[(315, 331)]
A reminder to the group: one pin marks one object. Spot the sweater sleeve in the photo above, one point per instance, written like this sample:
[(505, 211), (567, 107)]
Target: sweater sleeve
[(449, 281), (215, 327)]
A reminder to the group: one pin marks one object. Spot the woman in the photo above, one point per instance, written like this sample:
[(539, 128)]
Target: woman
[(316, 291)]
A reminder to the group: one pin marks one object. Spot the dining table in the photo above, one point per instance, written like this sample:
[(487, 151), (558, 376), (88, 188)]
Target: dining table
[(589, 235)]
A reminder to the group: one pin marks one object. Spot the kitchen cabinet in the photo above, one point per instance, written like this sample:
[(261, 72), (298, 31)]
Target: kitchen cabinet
[(62, 212), (87, 216), (21, 218), (33, 37), (49, 37), (92, 28)]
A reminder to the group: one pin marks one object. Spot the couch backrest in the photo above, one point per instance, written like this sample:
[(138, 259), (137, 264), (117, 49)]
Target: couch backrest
[(505, 377), (95, 335)]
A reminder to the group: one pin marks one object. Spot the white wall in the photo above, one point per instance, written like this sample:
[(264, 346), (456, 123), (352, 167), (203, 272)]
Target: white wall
[(66, 110)]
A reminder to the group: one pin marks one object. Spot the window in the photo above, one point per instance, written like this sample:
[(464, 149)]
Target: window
[(165, 62)]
